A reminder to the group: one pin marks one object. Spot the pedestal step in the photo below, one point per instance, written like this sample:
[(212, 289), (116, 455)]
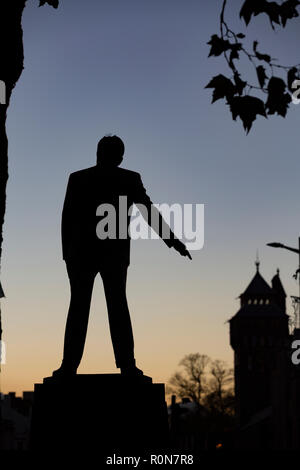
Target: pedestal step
[(104, 413)]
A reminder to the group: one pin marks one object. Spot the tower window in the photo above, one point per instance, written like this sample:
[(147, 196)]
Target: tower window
[(261, 301), (249, 301), (267, 301), (255, 301)]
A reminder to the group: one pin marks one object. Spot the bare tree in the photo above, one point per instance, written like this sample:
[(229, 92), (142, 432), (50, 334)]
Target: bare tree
[(220, 398), (192, 383), (221, 376), (205, 382)]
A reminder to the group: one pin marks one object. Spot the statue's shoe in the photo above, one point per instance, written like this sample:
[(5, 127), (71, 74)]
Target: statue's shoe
[(131, 371)]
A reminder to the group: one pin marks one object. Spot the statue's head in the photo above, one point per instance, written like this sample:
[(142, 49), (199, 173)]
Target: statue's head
[(110, 151)]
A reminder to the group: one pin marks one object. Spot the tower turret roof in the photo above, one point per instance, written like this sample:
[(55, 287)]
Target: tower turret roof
[(259, 299)]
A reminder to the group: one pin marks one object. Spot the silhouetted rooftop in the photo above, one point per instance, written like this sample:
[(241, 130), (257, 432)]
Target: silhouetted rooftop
[(261, 300), (258, 286), (277, 284)]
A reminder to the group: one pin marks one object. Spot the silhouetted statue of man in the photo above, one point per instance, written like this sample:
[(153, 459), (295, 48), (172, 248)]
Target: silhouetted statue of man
[(86, 254)]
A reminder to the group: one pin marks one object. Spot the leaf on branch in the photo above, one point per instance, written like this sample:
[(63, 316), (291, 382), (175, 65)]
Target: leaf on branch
[(218, 45), (261, 75), (53, 3), (272, 9), (288, 10), (239, 83), (246, 108), (223, 87), (276, 13), (240, 36), (291, 77), (251, 7), (234, 51), (278, 100), (259, 56)]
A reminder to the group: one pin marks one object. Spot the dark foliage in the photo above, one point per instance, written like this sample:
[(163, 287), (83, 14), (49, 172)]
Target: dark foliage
[(277, 13), (276, 90)]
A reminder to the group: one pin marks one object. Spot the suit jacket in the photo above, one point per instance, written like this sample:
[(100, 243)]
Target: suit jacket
[(86, 190)]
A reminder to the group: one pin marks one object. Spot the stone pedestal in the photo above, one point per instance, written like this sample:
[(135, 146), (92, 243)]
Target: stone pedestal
[(104, 413)]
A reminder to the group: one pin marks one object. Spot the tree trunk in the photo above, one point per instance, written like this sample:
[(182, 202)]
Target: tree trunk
[(11, 66)]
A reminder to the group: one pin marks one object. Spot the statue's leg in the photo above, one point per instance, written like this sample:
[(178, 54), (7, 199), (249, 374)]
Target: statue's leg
[(114, 280), (81, 283)]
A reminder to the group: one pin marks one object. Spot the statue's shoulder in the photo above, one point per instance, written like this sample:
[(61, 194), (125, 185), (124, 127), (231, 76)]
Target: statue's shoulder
[(84, 173), (124, 172), (88, 174)]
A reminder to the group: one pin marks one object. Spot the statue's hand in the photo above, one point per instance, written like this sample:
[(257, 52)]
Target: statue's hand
[(181, 248)]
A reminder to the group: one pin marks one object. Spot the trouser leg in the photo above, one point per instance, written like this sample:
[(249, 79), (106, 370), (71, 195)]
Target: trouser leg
[(81, 284), (114, 281)]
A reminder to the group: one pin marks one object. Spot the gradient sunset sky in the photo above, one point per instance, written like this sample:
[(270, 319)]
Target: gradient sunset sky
[(138, 68)]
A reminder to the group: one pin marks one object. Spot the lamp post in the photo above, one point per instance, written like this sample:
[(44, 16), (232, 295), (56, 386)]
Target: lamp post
[(297, 274)]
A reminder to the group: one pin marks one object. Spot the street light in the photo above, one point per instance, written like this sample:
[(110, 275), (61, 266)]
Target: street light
[(297, 274), (275, 245)]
